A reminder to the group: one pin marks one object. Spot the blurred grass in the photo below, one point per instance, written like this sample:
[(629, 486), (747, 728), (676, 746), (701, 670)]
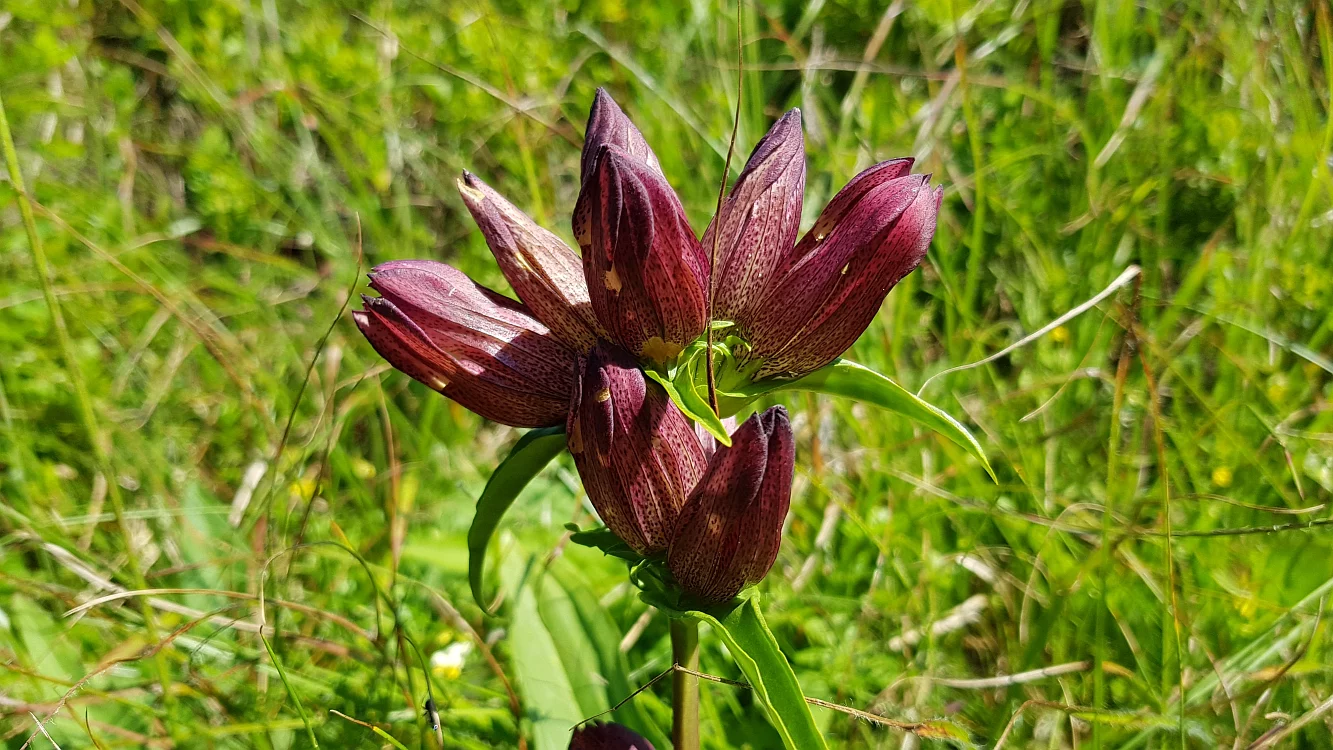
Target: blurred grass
[(206, 175)]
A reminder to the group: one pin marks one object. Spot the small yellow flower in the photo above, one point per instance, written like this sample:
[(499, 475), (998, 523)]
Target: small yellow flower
[(303, 488), (1222, 477), (1060, 335), (363, 469)]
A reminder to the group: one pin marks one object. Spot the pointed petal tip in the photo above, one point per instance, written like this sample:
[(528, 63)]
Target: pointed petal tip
[(603, 104)]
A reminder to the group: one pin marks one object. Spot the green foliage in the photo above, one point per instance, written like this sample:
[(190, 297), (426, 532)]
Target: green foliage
[(223, 164), (530, 455), (741, 626)]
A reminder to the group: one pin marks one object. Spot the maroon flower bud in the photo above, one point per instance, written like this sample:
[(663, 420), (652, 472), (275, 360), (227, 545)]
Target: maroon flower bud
[(482, 350), (728, 533), (607, 737), (759, 221), (646, 271), (635, 451), (545, 273), (873, 233), (607, 126)]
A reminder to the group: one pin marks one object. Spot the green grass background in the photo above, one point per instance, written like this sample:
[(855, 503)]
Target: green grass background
[(207, 172)]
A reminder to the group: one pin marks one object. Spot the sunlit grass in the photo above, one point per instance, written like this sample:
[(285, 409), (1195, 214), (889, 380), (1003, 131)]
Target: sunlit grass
[(205, 175)]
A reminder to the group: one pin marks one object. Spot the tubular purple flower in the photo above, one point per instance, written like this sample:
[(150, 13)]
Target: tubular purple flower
[(607, 737), (728, 533), (759, 221), (645, 269), (873, 233), (607, 126), (482, 350), (635, 451), (545, 273)]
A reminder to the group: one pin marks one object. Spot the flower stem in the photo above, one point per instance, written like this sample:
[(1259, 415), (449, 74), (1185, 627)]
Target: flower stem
[(685, 686), (717, 215)]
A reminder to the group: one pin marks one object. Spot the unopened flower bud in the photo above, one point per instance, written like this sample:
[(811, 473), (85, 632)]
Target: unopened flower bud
[(728, 533), (607, 737)]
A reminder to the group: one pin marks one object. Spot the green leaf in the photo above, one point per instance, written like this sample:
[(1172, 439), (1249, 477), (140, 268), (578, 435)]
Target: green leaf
[(847, 378), (602, 538), (550, 704), (741, 626), (574, 645), (605, 637), (529, 456), (685, 395)]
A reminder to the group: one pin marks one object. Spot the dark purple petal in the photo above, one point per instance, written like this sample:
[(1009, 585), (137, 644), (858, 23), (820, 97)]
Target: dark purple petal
[(646, 272), (545, 273), (481, 349), (607, 126), (846, 316), (830, 295), (759, 221), (635, 451), (851, 194), (728, 534), (607, 737)]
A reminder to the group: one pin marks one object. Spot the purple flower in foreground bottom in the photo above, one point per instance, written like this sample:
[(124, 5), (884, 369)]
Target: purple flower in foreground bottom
[(728, 533), (607, 737), (465, 341), (635, 451)]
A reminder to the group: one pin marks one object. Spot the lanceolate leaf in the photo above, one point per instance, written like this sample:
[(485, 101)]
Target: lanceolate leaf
[(604, 636), (550, 703), (529, 456), (847, 378), (686, 398), (741, 626)]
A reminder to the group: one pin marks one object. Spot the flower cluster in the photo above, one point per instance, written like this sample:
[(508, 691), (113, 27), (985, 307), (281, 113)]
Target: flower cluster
[(575, 349)]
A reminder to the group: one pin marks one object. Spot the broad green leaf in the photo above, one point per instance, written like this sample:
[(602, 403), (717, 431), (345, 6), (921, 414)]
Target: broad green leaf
[(741, 626), (605, 638), (550, 705), (574, 645), (529, 456), (686, 398), (847, 378)]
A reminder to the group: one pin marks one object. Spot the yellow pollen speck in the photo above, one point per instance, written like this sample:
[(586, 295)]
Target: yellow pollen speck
[(468, 191), (1060, 335), (603, 395), (658, 350), (844, 269), (1222, 476), (612, 280), (820, 237)]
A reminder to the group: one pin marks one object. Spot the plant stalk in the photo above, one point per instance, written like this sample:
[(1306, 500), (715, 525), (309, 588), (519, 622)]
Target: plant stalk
[(685, 686)]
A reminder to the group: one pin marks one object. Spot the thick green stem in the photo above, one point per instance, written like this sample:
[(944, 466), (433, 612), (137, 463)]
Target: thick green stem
[(685, 687)]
